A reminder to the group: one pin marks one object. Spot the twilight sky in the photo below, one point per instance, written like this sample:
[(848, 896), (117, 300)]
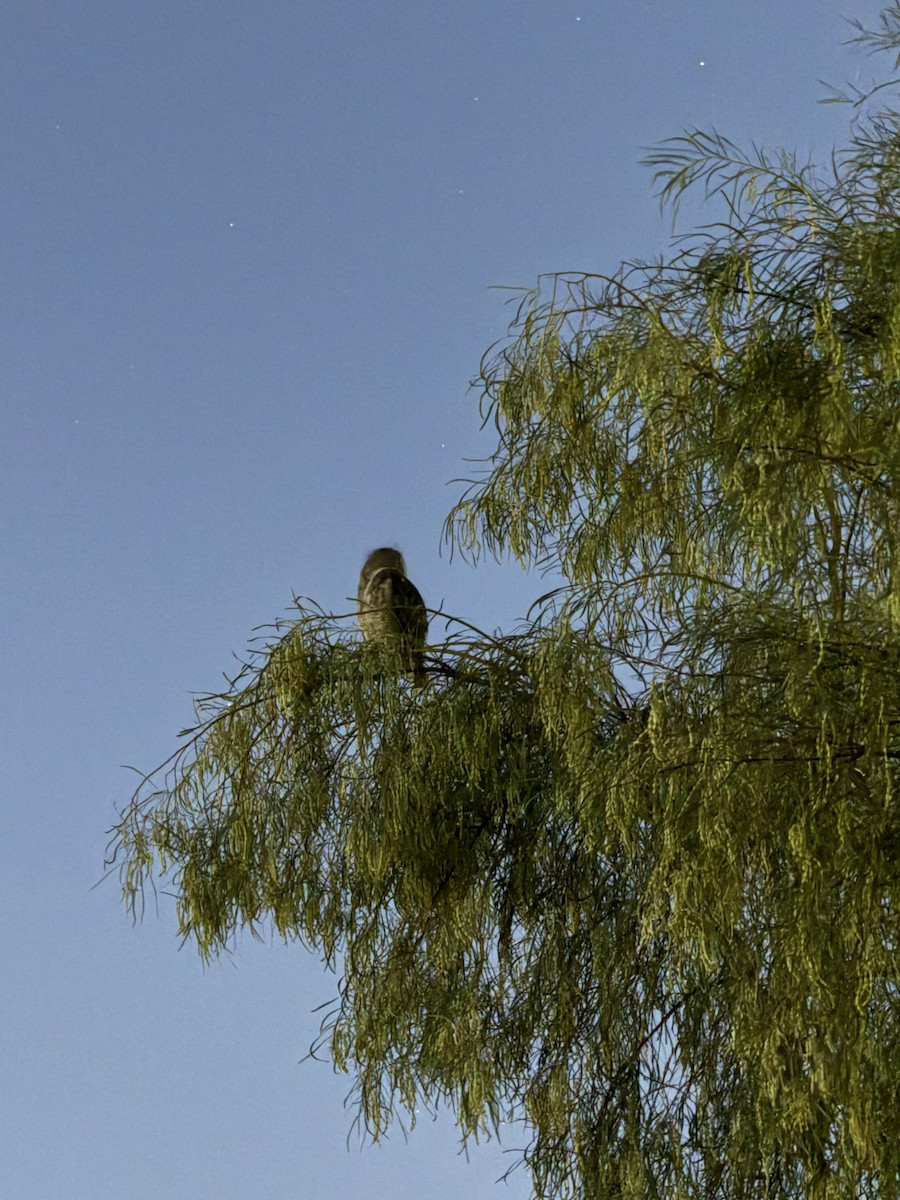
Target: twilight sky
[(247, 256)]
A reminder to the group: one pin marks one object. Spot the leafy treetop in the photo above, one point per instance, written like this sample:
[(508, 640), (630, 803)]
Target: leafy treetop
[(628, 875)]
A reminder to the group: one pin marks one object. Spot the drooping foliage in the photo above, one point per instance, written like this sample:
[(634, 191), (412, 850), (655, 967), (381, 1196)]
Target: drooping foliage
[(630, 876)]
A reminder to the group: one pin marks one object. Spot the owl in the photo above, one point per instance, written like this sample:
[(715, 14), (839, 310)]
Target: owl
[(390, 606)]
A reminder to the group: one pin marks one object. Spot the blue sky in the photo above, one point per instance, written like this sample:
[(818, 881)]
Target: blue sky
[(248, 254)]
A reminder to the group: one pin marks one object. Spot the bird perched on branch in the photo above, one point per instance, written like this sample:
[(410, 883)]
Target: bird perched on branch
[(390, 607)]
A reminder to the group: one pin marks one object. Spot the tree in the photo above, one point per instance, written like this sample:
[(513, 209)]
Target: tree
[(630, 875)]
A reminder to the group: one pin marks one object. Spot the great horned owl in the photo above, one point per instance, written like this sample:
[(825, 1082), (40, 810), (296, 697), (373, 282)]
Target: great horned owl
[(390, 607)]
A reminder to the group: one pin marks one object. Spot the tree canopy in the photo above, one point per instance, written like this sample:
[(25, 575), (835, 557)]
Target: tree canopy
[(629, 875)]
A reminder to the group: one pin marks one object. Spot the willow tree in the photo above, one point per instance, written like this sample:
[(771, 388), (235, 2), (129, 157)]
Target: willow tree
[(629, 876)]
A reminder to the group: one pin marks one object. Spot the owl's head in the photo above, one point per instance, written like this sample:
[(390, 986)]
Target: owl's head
[(386, 558)]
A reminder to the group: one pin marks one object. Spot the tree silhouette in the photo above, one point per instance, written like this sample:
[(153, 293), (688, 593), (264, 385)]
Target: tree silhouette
[(628, 875)]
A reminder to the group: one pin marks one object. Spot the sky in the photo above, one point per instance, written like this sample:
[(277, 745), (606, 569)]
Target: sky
[(252, 254)]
